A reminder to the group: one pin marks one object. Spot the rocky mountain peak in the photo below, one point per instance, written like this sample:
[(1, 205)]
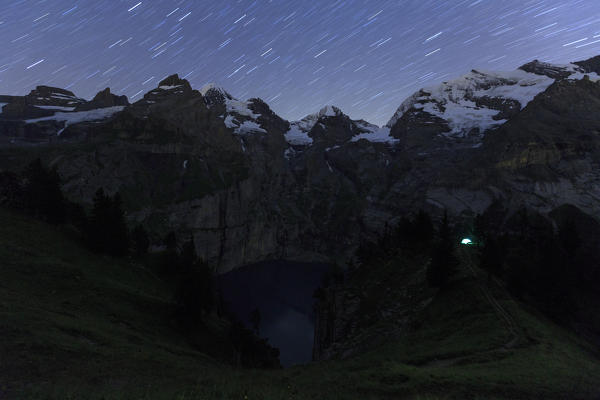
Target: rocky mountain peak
[(49, 90), (214, 94), (550, 70), (174, 81), (43, 101), (591, 65), (330, 111), (104, 99)]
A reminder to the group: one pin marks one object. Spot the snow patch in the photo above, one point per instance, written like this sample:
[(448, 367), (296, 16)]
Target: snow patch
[(241, 108), (298, 135), (577, 73), (65, 97), (57, 108), (249, 127), (375, 134), (2, 105), (208, 87), (289, 153), (168, 87), (77, 117), (230, 122)]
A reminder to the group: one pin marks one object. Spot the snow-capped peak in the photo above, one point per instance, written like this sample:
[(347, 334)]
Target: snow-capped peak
[(213, 88), (329, 111), (298, 133), (476, 100), (482, 100), (238, 116)]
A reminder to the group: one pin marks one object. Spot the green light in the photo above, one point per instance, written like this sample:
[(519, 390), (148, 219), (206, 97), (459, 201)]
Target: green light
[(466, 242)]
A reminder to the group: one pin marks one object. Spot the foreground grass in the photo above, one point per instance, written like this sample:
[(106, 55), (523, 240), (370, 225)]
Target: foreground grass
[(75, 325)]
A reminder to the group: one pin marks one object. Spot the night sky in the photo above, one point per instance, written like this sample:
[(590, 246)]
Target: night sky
[(364, 56)]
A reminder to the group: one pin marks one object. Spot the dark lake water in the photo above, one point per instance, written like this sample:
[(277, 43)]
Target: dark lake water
[(283, 292)]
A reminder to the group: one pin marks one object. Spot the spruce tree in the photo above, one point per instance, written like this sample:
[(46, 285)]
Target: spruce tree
[(423, 228), (107, 230), (492, 257), (255, 320), (119, 241), (444, 263), (43, 195), (97, 231)]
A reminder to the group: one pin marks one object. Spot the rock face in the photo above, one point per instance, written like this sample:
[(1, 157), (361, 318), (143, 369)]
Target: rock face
[(251, 186)]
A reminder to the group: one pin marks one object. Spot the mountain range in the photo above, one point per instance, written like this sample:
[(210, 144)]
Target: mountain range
[(250, 186)]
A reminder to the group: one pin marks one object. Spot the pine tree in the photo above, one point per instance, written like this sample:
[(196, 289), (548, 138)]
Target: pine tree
[(107, 230), (255, 320), (423, 228), (119, 241), (97, 230), (196, 286), (479, 230), (444, 262), (43, 195), (492, 257)]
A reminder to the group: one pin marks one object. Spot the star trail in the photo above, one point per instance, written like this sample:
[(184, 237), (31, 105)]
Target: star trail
[(364, 56)]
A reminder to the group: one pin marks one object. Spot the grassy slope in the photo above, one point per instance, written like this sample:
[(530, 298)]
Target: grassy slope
[(76, 325)]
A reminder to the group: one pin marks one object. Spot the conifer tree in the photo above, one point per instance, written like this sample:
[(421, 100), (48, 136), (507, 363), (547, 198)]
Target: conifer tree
[(43, 195), (255, 320), (107, 230), (492, 257), (444, 262)]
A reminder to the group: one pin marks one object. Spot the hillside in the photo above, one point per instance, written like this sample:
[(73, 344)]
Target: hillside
[(78, 325)]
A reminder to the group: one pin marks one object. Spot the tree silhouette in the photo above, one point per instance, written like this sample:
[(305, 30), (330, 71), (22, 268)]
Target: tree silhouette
[(42, 193), (107, 230), (423, 227), (196, 287), (255, 320), (492, 257), (444, 262)]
